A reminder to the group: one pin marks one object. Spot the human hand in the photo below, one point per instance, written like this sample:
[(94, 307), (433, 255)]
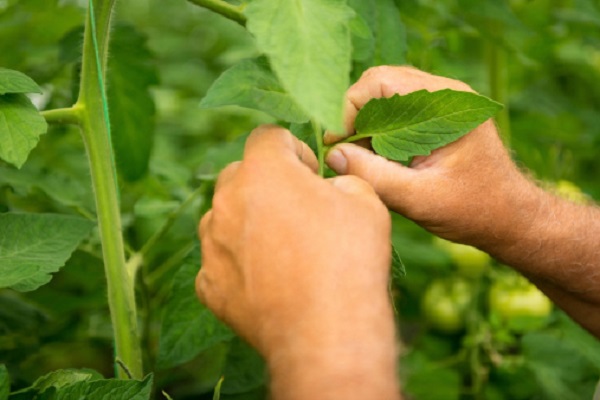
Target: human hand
[(468, 191), (299, 267)]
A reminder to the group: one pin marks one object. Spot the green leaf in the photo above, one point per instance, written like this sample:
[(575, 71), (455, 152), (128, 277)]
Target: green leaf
[(308, 45), (104, 389), (558, 370), (36, 245), (415, 124), (131, 72), (188, 327), (425, 380), (580, 340), (16, 82), (387, 43), (54, 381), (20, 128), (252, 84), (4, 383), (245, 369), (398, 268), (62, 188)]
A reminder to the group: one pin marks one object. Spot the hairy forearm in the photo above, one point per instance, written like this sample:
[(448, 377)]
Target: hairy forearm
[(557, 247)]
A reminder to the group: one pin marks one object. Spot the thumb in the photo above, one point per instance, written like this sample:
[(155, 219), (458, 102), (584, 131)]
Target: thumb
[(388, 178)]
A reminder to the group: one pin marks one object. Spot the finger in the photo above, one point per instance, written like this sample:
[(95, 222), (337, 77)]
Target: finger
[(354, 185), (350, 113), (227, 174), (388, 178), (270, 142)]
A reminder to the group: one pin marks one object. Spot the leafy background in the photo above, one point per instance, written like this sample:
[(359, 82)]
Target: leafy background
[(165, 56)]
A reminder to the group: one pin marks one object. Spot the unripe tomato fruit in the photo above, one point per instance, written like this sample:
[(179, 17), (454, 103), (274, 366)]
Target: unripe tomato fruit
[(520, 305), (470, 262), (445, 302), (570, 191)]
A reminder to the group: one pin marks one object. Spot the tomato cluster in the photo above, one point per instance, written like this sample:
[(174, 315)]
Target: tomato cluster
[(512, 301)]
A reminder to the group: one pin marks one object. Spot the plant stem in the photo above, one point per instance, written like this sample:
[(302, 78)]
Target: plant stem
[(227, 10), (96, 136), (320, 148), (70, 116), (498, 81)]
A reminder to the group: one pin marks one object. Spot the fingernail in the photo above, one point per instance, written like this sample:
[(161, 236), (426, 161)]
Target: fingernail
[(337, 161)]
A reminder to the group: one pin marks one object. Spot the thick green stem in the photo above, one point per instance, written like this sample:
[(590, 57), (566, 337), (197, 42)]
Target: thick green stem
[(96, 136), (320, 147), (498, 80), (227, 10), (70, 116)]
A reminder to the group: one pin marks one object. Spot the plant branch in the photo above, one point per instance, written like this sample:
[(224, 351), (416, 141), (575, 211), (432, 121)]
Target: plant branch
[(157, 274), (227, 10), (70, 116), (171, 218)]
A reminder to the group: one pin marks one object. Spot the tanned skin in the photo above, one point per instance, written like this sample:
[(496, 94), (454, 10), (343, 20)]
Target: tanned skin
[(298, 265)]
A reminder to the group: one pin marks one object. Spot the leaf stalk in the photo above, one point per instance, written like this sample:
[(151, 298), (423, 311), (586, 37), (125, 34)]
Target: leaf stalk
[(320, 147), (234, 13), (63, 116)]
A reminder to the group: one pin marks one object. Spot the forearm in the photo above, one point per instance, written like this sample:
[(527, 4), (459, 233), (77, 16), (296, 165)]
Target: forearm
[(557, 247)]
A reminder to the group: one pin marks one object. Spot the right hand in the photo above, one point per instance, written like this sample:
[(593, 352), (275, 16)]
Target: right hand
[(468, 191)]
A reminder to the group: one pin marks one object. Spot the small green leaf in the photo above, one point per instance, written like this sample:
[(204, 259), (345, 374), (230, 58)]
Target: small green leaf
[(252, 84), (415, 124), (36, 245), (308, 45), (187, 327), (20, 128), (398, 269), (54, 381), (130, 74), (16, 82), (557, 369), (245, 369), (4, 383), (103, 389)]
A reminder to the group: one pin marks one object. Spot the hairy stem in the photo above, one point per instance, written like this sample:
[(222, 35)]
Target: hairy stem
[(70, 116), (498, 81), (320, 147), (227, 10), (96, 135)]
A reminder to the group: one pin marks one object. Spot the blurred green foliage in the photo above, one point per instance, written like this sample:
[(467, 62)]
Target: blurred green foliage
[(539, 57)]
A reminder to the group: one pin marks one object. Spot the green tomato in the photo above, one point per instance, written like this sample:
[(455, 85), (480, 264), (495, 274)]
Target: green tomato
[(570, 191), (470, 262), (444, 304), (521, 306)]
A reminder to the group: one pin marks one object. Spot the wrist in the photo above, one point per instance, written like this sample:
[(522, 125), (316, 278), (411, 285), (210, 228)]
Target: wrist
[(353, 357)]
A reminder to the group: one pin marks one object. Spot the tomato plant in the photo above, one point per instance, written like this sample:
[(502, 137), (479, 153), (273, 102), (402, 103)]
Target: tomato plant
[(118, 115)]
